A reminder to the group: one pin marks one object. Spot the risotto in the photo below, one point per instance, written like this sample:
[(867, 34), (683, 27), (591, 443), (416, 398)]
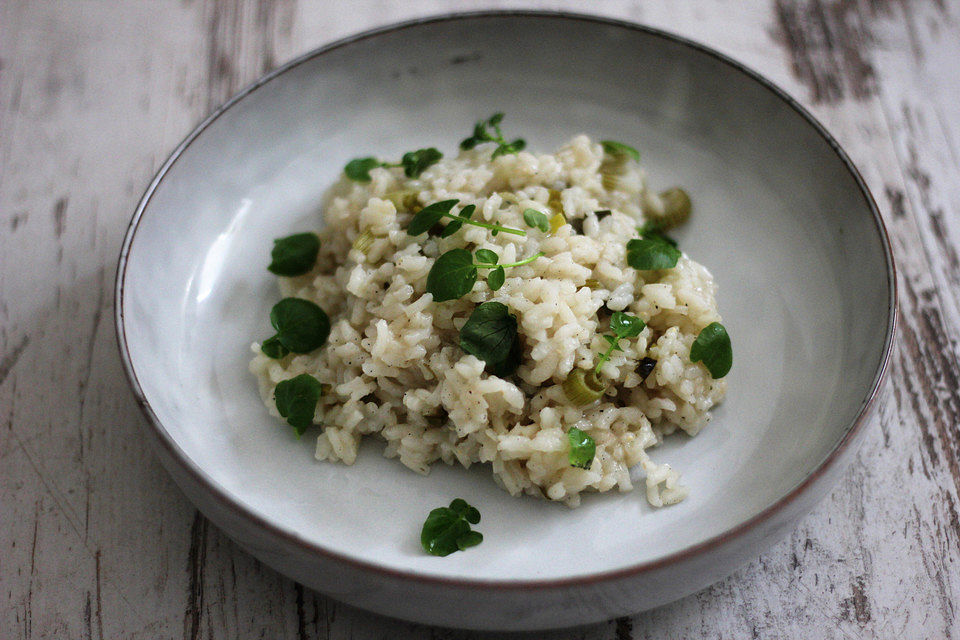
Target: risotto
[(595, 350)]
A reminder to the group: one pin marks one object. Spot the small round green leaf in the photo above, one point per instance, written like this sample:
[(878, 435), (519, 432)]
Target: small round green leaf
[(447, 529), (416, 162), (536, 220), (294, 255), (452, 275), (297, 400), (496, 278), (273, 348), (625, 325), (301, 325), (713, 348), (358, 169), (651, 253), (429, 216), (486, 256), (489, 333)]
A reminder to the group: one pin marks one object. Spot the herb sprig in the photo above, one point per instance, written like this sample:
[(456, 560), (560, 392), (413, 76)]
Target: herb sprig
[(454, 273), (623, 326), (447, 529), (433, 213), (414, 163), (482, 133)]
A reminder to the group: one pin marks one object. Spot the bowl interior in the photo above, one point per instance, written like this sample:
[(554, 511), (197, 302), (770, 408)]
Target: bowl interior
[(779, 220)]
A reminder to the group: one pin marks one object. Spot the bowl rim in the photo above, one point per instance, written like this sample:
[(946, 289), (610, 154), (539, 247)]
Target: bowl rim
[(226, 500)]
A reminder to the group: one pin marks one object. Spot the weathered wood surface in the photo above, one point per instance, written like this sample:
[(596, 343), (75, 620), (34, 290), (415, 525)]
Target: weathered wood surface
[(95, 540)]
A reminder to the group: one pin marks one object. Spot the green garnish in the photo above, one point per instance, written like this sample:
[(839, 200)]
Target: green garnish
[(614, 148), (301, 327), (712, 347), (583, 387), (413, 162), (490, 334), (433, 213), (582, 448), (536, 220), (358, 169), (294, 255), (454, 273), (297, 400), (416, 162), (482, 134), (496, 278), (447, 529), (623, 326), (652, 252), (654, 229), (676, 208)]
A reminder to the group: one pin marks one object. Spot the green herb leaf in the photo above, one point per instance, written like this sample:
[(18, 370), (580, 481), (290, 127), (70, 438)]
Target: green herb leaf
[(301, 325), (615, 148), (486, 256), (274, 348), (447, 529), (358, 169), (510, 364), (651, 253), (452, 275), (582, 448), (654, 230), (496, 278), (713, 348), (482, 133), (429, 216), (489, 333), (625, 325), (416, 162), (536, 219), (294, 255), (297, 400)]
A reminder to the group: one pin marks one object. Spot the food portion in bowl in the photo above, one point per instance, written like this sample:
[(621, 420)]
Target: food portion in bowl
[(503, 307)]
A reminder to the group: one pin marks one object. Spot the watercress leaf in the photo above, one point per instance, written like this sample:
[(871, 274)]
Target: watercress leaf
[(495, 119), (273, 348), (416, 162), (612, 341), (358, 169), (508, 366), (297, 400), (452, 275), (301, 325), (489, 333), (447, 529), (536, 219), (467, 211), (654, 231), (496, 278), (429, 216), (625, 325), (649, 253), (294, 255), (615, 148), (582, 448), (486, 256), (470, 539), (713, 348), (452, 227)]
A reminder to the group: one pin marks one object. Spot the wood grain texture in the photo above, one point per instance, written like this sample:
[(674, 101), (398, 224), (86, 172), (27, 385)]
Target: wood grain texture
[(96, 542)]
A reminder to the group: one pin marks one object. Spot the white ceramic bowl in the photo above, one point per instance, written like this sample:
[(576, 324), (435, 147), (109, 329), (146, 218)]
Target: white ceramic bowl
[(782, 218)]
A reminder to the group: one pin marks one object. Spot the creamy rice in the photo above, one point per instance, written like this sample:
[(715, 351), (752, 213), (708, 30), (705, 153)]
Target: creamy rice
[(393, 365)]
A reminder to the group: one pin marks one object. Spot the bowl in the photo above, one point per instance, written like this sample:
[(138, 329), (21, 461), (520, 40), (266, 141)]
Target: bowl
[(782, 219)]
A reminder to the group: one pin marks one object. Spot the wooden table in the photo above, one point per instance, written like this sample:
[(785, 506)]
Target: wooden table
[(97, 542)]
